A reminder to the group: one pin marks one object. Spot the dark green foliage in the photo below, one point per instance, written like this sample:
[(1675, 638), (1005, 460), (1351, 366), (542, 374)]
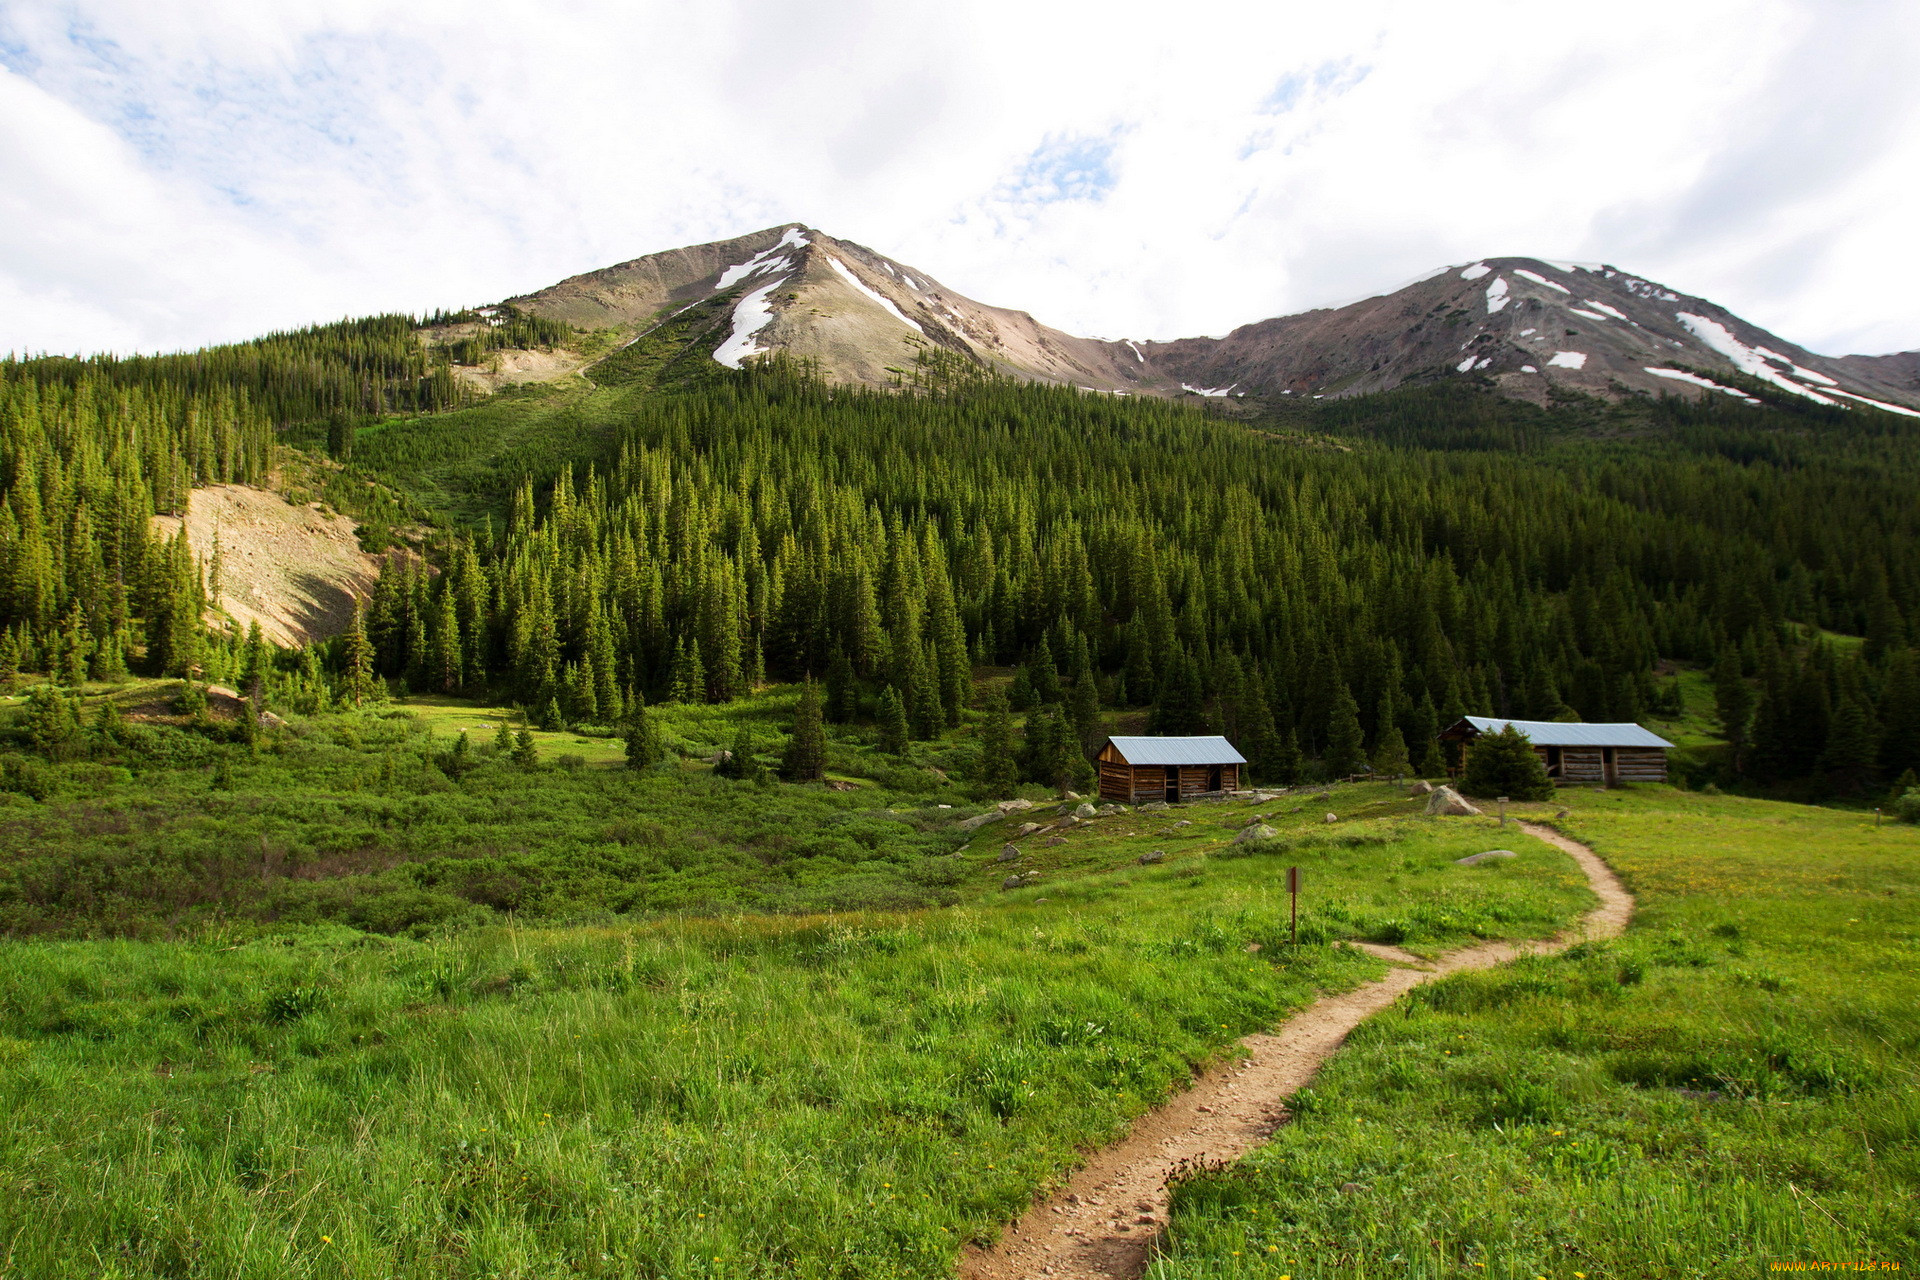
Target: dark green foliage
[(1180, 707), (1505, 764), (525, 753), (996, 767), (1051, 755), (806, 755), (643, 745), (1345, 743), (894, 734)]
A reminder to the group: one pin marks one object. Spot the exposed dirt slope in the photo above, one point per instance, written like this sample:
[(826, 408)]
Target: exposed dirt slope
[(295, 570), (1103, 1224)]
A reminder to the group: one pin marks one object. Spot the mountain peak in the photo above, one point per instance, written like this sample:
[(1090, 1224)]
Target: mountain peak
[(1528, 325)]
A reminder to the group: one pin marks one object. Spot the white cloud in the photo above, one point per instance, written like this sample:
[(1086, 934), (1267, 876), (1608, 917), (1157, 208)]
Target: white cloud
[(172, 174)]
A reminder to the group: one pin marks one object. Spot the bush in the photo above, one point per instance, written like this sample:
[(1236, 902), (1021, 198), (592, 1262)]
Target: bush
[(1504, 764), (1907, 807)]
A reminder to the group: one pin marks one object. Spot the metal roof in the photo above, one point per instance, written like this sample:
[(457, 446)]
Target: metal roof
[(1552, 733), (1213, 749)]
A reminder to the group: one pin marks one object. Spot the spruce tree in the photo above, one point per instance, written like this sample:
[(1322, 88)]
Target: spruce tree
[(525, 753), (1505, 764), (843, 693), (1733, 700), (1900, 714), (806, 754), (1180, 709), (1850, 760), (1390, 753), (644, 747), (997, 762), (894, 736), (1345, 754), (1048, 755), (1083, 712), (358, 654)]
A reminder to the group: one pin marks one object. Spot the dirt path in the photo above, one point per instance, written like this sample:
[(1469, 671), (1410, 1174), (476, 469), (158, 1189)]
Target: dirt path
[(1103, 1224)]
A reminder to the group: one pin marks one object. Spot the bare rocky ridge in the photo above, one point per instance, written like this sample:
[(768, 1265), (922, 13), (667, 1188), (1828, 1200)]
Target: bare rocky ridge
[(1526, 324)]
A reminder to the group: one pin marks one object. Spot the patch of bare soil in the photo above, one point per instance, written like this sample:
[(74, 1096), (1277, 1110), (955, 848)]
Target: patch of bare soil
[(296, 570), (1104, 1224), (513, 366)]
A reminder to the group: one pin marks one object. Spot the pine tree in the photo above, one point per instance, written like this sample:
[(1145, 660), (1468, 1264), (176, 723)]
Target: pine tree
[(1043, 675), (1505, 764), (525, 753), (644, 746), (1733, 700), (1048, 756), (359, 658), (1850, 760), (806, 754), (1390, 753), (894, 736), (1345, 754), (843, 693), (1180, 709), (1083, 713), (503, 740), (255, 665), (996, 765), (1900, 714)]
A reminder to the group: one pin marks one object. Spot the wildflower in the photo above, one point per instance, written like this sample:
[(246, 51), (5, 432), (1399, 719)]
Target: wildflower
[(326, 1239)]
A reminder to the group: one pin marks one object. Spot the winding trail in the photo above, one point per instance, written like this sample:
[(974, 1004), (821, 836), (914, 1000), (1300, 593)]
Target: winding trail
[(1104, 1223)]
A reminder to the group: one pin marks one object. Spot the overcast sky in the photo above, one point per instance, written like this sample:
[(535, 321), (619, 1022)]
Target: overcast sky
[(178, 173)]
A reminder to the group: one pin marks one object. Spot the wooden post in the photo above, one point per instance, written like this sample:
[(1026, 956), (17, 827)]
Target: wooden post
[(1503, 811), (1293, 892)]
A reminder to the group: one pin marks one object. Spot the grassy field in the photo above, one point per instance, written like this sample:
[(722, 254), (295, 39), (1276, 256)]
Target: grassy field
[(852, 1095), (1735, 1084)]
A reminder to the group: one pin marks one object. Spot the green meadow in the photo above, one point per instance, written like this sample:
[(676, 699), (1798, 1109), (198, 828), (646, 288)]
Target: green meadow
[(1731, 1087), (852, 1094)]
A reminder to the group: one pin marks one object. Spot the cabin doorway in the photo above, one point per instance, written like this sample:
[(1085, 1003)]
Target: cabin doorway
[(1173, 785), (1213, 778)]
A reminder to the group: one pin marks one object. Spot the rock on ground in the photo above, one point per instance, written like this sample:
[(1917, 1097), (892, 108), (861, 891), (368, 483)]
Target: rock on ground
[(1014, 806), (1256, 833), (1445, 802), (1008, 853), (1420, 789), (1148, 859), (1475, 859)]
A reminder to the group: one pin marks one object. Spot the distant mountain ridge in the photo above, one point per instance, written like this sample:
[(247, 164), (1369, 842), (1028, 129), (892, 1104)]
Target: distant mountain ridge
[(1527, 325)]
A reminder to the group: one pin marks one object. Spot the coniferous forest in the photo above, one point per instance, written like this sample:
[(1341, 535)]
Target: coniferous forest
[(1328, 587)]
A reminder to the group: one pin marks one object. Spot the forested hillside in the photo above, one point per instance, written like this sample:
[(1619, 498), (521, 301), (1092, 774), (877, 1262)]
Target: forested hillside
[(1326, 587), (1310, 594)]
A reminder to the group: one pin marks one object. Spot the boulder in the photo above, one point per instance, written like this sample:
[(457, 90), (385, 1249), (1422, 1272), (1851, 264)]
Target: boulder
[(1086, 811), (1475, 859), (1008, 852), (978, 820), (1255, 820), (1051, 841), (1422, 788), (1069, 795), (1332, 817), (1445, 802), (1148, 859), (1014, 806), (1112, 810), (1184, 822), (1154, 806), (1068, 821), (1253, 834), (1028, 828), (1016, 882)]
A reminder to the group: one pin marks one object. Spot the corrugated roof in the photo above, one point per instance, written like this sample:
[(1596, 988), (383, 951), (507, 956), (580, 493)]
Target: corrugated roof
[(1552, 733), (1208, 750)]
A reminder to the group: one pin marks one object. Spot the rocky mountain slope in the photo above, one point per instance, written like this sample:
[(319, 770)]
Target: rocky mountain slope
[(1526, 324)]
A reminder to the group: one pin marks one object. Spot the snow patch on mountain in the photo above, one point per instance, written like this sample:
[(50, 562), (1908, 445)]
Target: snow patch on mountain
[(1497, 295), (1681, 375), (1878, 404), (1745, 358), (751, 314), (1601, 306), (876, 296), (1537, 278), (1475, 271), (1568, 360)]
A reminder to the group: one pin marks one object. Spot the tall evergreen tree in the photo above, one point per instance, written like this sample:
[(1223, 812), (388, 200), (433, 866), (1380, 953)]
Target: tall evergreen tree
[(806, 755)]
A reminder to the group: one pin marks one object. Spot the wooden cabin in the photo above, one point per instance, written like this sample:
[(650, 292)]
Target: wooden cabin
[(1577, 754), (1139, 770)]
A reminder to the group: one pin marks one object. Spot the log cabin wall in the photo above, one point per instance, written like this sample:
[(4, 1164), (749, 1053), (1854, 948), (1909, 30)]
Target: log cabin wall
[(1582, 764), (1640, 764)]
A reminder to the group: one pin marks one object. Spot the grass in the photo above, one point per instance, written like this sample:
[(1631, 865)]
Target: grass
[(853, 1095), (1734, 1084)]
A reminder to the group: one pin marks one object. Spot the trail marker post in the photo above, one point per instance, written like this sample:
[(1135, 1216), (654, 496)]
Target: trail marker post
[(1293, 892), (1503, 811)]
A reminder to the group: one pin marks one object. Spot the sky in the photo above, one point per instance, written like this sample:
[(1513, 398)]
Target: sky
[(179, 173)]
